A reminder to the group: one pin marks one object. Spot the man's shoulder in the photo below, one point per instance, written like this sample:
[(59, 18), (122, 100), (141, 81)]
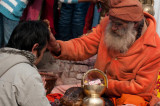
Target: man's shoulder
[(25, 69), (22, 71)]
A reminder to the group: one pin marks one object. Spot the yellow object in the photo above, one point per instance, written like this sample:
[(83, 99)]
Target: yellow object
[(158, 85)]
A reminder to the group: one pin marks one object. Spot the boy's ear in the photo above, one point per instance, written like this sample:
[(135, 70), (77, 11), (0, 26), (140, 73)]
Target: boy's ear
[(34, 49)]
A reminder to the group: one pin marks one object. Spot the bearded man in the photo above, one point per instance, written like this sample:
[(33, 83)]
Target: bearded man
[(128, 51)]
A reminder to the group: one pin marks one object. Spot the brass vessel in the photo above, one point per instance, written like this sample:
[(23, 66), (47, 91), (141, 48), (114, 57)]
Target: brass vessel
[(94, 90)]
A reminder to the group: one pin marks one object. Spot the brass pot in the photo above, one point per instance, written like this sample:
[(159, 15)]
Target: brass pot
[(94, 91)]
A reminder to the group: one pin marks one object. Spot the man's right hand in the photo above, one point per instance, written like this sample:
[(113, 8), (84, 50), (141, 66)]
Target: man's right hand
[(53, 45)]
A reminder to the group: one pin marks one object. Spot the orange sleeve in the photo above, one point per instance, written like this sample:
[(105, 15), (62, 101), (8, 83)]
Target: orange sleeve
[(81, 48), (84, 47)]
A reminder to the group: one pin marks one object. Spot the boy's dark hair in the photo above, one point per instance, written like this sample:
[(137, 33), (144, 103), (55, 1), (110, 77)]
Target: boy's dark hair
[(27, 33)]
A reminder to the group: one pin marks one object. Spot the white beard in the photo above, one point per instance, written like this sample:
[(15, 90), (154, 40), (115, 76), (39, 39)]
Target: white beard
[(122, 39)]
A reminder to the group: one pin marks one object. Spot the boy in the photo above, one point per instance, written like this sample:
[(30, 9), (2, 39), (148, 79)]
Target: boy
[(20, 82)]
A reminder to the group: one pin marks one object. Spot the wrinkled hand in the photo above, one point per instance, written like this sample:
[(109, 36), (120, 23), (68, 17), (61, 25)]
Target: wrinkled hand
[(47, 22), (53, 46)]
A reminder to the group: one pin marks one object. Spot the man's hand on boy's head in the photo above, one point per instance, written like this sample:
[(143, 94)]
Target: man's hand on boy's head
[(53, 45), (47, 22), (52, 42)]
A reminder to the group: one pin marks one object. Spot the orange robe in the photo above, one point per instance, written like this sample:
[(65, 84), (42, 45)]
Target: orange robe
[(134, 72)]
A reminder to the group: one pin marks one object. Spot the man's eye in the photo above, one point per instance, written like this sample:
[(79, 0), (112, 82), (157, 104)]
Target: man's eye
[(118, 24)]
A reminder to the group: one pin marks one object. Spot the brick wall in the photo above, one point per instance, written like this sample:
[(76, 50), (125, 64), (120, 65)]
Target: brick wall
[(68, 72)]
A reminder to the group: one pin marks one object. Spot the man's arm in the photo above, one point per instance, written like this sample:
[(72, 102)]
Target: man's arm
[(81, 48), (76, 49)]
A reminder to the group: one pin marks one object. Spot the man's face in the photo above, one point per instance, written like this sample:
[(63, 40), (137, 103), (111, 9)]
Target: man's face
[(120, 35), (118, 25)]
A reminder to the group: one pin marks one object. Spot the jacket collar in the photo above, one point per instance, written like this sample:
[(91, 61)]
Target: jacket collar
[(24, 53), (9, 57), (150, 34)]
